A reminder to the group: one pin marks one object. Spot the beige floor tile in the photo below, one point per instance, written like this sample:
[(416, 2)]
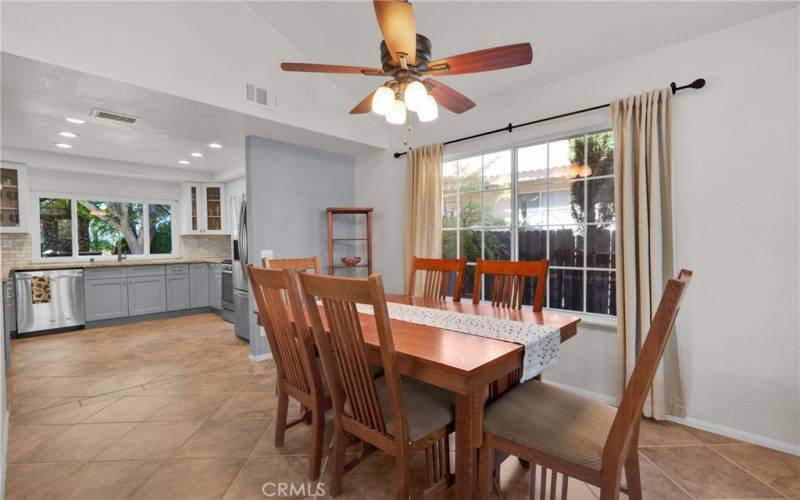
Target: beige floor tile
[(31, 481), (130, 409), (247, 405), (190, 407), (708, 437), (264, 476), (151, 440), (105, 480), (191, 479), (61, 386), (69, 413), (779, 470), (655, 484), (263, 383), (80, 443), (653, 433), (114, 384), (224, 438), (704, 474), (20, 405), (295, 441), (24, 438)]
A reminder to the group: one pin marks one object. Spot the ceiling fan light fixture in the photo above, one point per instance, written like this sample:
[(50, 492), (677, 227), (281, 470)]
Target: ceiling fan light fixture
[(397, 113), (415, 96), (382, 100), (430, 111)]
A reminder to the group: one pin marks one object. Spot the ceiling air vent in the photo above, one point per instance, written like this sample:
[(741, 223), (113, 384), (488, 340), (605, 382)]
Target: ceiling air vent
[(260, 97), (113, 115)]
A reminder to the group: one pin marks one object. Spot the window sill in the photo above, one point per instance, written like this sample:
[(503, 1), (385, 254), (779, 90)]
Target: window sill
[(597, 321)]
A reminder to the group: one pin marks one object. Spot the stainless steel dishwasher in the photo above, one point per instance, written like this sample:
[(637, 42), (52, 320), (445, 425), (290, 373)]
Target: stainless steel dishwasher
[(48, 300)]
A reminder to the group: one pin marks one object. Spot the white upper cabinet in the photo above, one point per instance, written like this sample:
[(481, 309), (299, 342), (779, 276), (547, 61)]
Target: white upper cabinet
[(204, 208), (14, 213)]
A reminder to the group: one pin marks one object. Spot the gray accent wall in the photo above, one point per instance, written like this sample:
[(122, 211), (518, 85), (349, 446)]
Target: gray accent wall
[(288, 189)]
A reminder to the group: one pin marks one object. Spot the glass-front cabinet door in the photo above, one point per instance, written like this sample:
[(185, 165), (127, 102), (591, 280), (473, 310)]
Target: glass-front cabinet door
[(194, 208), (13, 191), (214, 207)]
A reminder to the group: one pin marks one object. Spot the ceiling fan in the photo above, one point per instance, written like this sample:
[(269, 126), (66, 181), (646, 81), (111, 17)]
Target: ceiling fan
[(406, 60)]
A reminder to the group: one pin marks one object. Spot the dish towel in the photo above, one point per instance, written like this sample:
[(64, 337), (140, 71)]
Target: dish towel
[(40, 289), (542, 342)]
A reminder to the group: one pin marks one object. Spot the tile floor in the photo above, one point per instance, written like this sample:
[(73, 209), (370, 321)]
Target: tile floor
[(174, 409)]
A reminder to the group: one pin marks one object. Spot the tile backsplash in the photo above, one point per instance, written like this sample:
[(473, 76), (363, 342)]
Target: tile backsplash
[(15, 248), (216, 247)]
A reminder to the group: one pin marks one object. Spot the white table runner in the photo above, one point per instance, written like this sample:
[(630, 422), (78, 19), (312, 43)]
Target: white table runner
[(541, 342)]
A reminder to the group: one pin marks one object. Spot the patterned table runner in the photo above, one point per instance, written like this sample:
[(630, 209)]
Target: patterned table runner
[(541, 342)]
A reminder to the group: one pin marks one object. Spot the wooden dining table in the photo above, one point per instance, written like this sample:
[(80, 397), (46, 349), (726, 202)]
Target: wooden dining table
[(461, 363)]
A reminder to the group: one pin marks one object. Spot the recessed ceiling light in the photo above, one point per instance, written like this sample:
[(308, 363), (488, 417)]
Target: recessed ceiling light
[(75, 120), (71, 135), (197, 155), (63, 145), (183, 162), (214, 145)]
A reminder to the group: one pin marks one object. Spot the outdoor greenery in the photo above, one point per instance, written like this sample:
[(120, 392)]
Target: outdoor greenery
[(102, 226)]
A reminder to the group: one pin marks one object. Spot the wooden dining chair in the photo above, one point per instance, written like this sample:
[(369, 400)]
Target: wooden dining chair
[(508, 286), (400, 417), (576, 436), (280, 306), (437, 277), (298, 264)]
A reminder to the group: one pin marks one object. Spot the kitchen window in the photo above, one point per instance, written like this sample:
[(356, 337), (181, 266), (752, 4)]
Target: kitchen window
[(551, 199), (81, 227)]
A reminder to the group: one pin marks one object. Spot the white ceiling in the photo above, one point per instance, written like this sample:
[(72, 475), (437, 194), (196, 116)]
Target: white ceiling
[(567, 37)]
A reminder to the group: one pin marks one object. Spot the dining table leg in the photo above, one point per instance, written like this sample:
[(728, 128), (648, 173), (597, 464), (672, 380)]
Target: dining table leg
[(469, 432)]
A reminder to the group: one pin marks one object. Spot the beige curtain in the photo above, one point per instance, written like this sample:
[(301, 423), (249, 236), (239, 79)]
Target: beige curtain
[(643, 162), (423, 205)]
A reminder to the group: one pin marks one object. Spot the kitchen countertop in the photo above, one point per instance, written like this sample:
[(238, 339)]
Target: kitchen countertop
[(43, 266)]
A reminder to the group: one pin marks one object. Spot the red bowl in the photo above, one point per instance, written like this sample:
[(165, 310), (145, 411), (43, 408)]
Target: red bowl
[(351, 261)]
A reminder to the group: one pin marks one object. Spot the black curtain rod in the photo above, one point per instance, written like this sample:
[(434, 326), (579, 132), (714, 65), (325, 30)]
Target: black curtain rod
[(697, 84)]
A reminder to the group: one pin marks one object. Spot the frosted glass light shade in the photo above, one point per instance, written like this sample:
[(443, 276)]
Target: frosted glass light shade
[(430, 111), (382, 100), (397, 113), (415, 96)]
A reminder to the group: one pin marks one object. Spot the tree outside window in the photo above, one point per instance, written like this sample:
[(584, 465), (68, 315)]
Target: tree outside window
[(104, 227)]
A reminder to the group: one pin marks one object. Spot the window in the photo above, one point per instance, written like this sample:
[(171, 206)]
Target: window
[(563, 197), (87, 227)]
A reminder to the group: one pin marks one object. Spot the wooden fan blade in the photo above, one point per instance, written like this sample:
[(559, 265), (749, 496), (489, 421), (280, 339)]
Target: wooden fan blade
[(327, 68), (506, 56), (449, 98), (396, 20), (364, 106)]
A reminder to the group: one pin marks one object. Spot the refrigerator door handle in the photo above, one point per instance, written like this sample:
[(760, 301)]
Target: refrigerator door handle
[(243, 239)]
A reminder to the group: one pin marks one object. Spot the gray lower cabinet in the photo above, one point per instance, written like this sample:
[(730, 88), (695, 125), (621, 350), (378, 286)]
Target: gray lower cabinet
[(106, 298), (198, 285), (215, 285), (147, 295), (178, 292)]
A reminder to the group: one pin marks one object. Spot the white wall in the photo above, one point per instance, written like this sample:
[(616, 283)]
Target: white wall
[(736, 212)]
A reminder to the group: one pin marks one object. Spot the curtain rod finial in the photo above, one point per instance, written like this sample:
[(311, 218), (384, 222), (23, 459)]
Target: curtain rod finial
[(699, 83)]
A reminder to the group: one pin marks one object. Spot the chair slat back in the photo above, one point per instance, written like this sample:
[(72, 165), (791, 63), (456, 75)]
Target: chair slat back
[(437, 277), (298, 264), (626, 422), (344, 354), (279, 302), (508, 287)]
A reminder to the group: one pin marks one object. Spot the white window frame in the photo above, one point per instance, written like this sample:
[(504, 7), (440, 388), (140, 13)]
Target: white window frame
[(36, 230), (604, 320)]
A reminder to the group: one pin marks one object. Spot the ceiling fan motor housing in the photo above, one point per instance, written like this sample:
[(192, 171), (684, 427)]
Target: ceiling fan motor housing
[(423, 54)]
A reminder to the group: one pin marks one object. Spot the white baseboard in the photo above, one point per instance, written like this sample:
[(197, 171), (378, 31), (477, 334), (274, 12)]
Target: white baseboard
[(722, 430), (596, 396), (730, 432), (4, 452), (261, 357)]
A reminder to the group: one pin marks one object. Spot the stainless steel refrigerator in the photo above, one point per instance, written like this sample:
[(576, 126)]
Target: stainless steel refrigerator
[(241, 294)]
